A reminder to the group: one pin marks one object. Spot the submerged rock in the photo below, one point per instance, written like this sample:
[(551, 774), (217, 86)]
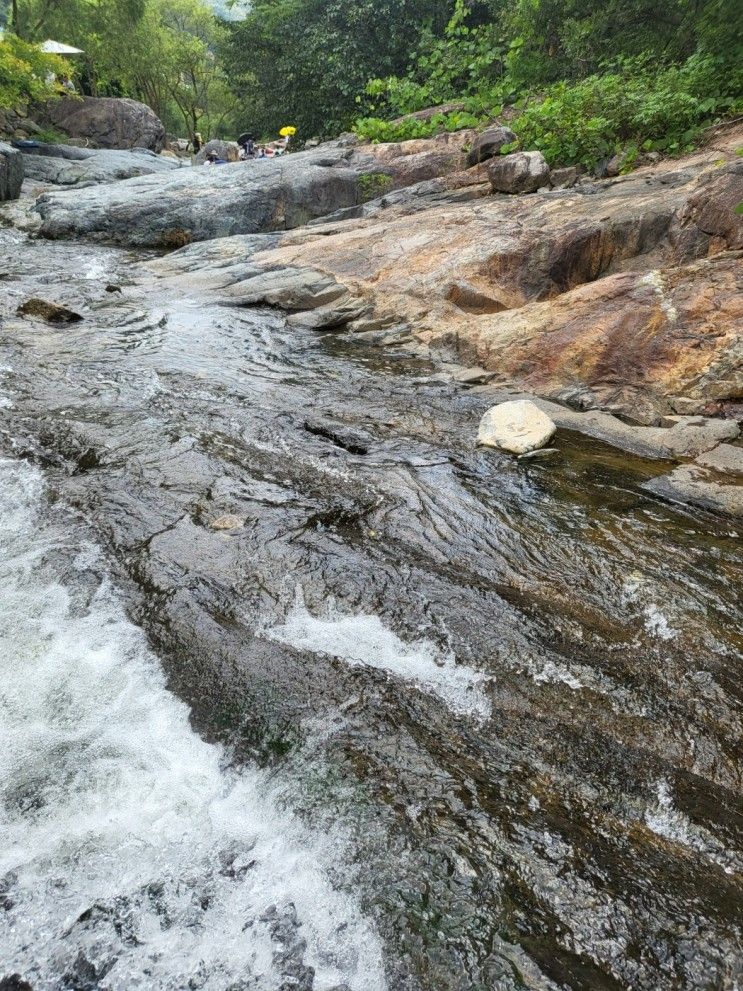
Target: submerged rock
[(51, 312), (518, 427), (228, 522), (14, 982), (11, 173)]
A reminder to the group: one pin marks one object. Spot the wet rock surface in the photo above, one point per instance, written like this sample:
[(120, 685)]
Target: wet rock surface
[(515, 682), (50, 312), (623, 294), (11, 172)]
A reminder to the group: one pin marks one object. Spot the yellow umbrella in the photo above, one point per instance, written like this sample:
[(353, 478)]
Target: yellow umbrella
[(287, 132)]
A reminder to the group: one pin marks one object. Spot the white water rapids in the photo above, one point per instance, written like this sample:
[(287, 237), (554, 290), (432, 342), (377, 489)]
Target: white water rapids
[(130, 856)]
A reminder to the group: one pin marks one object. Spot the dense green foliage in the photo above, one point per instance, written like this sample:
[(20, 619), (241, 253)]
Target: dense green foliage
[(24, 71), (584, 81), (585, 78), (580, 79), (305, 62), (164, 52), (634, 107)]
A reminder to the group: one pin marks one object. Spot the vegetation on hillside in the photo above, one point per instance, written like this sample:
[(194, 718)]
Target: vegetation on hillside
[(579, 80), (163, 52), (584, 79)]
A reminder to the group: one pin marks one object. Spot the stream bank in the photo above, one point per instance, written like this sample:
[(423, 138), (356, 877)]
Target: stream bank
[(305, 690), (506, 690)]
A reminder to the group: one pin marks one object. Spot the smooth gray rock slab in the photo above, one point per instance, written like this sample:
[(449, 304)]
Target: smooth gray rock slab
[(197, 204), (70, 152), (11, 173), (662, 443), (96, 167), (701, 486), (725, 458)]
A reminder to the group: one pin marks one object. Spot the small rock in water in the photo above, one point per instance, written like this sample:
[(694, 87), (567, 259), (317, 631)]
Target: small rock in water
[(112, 288), (14, 983), (51, 312), (227, 522), (518, 426)]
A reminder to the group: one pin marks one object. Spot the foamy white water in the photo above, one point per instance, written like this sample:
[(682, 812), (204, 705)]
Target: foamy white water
[(127, 851), (363, 639)]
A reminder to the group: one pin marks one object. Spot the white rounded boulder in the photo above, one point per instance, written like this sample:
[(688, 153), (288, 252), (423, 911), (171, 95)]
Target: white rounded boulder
[(518, 426)]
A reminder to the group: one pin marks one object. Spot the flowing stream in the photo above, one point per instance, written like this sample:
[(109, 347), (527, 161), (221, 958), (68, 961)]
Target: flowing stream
[(301, 690)]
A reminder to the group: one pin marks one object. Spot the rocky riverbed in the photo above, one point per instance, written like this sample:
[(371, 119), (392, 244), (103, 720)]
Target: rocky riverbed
[(304, 689)]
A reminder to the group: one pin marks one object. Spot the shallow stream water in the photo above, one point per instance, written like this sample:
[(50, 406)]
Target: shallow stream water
[(412, 715)]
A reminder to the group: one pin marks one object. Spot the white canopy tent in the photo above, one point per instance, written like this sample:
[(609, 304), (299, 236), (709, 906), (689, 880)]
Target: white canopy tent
[(57, 48)]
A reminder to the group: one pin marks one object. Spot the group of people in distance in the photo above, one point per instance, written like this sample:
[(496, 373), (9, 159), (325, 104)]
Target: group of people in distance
[(249, 148)]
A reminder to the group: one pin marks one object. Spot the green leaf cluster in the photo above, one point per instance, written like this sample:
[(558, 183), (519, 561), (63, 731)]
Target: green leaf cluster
[(163, 52), (27, 74), (635, 107)]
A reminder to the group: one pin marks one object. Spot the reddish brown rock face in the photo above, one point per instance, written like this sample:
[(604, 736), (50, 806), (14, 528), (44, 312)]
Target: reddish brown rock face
[(659, 334), (408, 162), (627, 293)]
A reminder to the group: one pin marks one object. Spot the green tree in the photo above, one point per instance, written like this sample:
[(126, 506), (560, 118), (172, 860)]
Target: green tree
[(571, 39), (305, 62), (163, 52), (26, 73)]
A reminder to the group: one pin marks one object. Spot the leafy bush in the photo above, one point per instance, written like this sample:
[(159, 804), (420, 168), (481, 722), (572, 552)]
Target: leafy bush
[(27, 73), (635, 107), (372, 185), (466, 63), (374, 129)]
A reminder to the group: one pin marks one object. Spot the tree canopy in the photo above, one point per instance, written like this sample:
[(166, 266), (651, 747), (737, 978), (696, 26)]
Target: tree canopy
[(329, 65), (163, 52)]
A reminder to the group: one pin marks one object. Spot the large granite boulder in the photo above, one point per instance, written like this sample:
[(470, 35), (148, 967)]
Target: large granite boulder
[(406, 163), (488, 144), (11, 173), (92, 166), (710, 222), (196, 204), (600, 296), (228, 151), (106, 122), (520, 172)]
